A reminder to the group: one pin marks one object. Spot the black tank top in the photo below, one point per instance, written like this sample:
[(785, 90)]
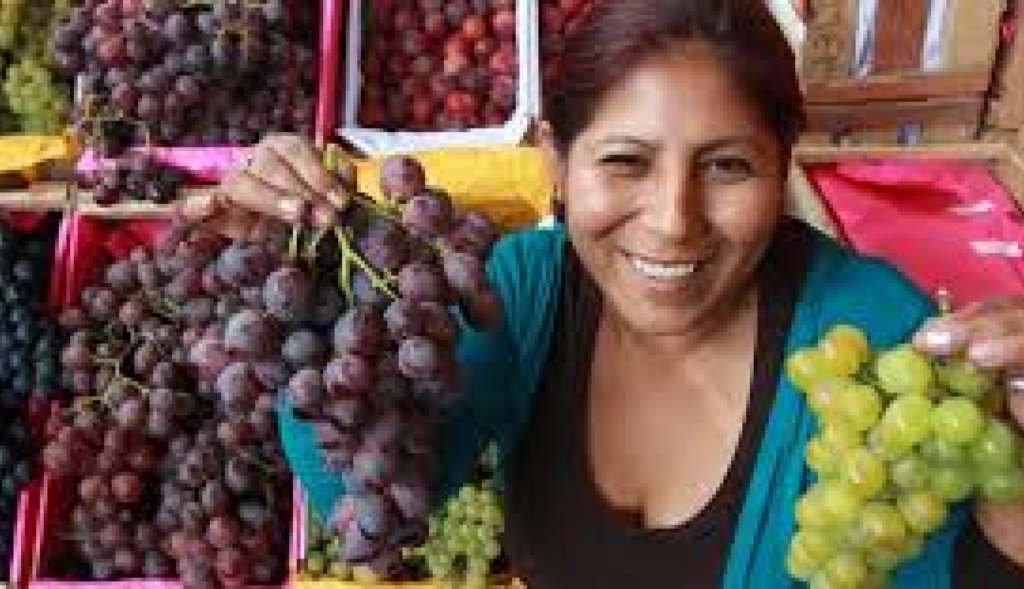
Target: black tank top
[(560, 531)]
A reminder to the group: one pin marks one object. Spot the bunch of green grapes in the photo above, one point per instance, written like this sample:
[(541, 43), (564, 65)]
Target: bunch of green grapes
[(10, 19), (464, 538), (38, 101), (902, 436)]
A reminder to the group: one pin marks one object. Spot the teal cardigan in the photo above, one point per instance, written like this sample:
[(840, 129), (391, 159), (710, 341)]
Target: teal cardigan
[(503, 369)]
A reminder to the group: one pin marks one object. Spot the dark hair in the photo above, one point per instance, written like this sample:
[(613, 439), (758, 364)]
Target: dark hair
[(618, 35)]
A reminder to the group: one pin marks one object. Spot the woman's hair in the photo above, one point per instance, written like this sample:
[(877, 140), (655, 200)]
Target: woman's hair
[(618, 35)]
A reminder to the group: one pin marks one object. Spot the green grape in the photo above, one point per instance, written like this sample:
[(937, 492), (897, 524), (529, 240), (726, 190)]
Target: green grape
[(952, 482), (882, 527), (840, 438), (846, 569), (315, 564), (941, 450), (822, 397), (910, 473), (903, 371), (888, 443), (958, 420), (923, 510), (845, 349), (808, 550), (1004, 485), (909, 417), (841, 502), (807, 367), (820, 458), (997, 447), (339, 569), (964, 378), (859, 405), (810, 509), (865, 473)]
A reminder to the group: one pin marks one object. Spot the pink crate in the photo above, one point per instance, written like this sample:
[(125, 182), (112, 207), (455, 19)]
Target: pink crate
[(83, 244)]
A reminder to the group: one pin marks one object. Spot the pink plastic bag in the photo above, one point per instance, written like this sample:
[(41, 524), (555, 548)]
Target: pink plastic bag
[(945, 224)]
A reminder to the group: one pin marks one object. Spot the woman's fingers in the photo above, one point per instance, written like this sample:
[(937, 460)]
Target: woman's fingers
[(306, 165)]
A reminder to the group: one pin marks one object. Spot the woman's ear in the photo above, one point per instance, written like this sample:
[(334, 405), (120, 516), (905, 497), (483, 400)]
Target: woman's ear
[(554, 163)]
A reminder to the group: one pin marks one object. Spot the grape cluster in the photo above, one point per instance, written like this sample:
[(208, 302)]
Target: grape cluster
[(216, 73), (36, 99), (437, 65), (137, 177), (374, 386), (29, 338), (17, 465), (901, 437), (464, 541), (171, 445)]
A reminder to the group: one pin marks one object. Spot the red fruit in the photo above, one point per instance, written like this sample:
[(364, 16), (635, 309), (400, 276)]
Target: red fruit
[(456, 44), (422, 110), (461, 103), (423, 66), (504, 23), (404, 20), (429, 5), (410, 88), (372, 114), (474, 28), (112, 50), (372, 66), (439, 86), (552, 19), (454, 63), (414, 43), (571, 6), (494, 115), (503, 92), (435, 26), (399, 65), (505, 60), (484, 48)]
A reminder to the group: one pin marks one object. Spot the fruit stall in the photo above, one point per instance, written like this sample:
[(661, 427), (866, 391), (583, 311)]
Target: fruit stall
[(143, 360)]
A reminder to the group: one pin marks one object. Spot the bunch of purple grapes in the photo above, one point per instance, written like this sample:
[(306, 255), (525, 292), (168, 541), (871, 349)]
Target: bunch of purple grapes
[(219, 73), (171, 442), (137, 177), (408, 263)]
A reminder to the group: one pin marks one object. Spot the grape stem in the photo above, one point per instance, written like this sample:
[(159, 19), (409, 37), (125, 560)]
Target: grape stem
[(348, 252)]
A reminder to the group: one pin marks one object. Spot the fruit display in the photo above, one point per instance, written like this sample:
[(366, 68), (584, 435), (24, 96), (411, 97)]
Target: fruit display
[(557, 19), (462, 549), (169, 72), (901, 437), (17, 468), (375, 382), (138, 177), (432, 65), (34, 96), (29, 338), (170, 450)]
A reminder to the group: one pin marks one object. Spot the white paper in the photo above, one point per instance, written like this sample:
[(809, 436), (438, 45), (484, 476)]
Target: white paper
[(377, 142)]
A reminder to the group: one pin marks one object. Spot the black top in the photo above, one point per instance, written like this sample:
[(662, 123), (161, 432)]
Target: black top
[(561, 533)]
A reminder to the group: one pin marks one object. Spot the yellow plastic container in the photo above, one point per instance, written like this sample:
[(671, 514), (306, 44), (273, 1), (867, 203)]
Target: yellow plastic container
[(24, 154), (509, 184)]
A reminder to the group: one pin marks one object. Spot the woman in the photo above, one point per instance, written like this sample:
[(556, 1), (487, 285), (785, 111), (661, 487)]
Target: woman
[(648, 436)]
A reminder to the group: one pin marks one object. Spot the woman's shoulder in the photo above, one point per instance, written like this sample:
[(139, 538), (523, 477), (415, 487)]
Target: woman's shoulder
[(845, 285), (526, 265)]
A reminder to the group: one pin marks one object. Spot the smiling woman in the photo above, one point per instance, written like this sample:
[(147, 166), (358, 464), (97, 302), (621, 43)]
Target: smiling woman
[(647, 435)]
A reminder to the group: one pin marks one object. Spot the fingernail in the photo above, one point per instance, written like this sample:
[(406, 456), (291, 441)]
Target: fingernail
[(290, 209), (938, 339), (984, 354), (325, 217), (1015, 384)]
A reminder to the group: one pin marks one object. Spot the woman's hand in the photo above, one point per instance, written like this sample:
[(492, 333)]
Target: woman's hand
[(991, 334), (284, 182)]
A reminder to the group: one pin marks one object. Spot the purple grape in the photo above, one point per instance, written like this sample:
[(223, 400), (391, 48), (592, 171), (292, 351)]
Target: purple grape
[(237, 385), (412, 498), (303, 348), (306, 389), (347, 412), (404, 319), (465, 273), (360, 330), (421, 358), (438, 323), (348, 374), (374, 514), (250, 332), (428, 214), (287, 294), (373, 467), (420, 281)]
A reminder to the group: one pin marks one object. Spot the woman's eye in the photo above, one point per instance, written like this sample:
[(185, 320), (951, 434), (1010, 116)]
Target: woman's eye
[(624, 163), (729, 169)]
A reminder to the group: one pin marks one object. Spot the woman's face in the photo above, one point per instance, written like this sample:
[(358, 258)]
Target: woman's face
[(673, 192)]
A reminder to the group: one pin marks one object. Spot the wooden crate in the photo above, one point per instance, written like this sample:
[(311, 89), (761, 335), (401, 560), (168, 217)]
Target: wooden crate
[(897, 101)]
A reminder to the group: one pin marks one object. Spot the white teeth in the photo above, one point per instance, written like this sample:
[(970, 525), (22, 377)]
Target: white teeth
[(663, 271)]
